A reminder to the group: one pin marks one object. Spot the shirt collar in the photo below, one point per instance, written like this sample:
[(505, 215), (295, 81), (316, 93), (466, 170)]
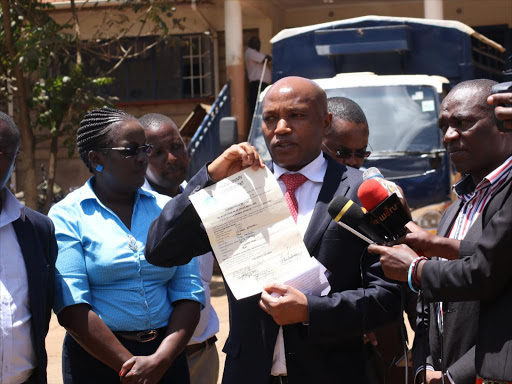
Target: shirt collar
[(467, 186), (148, 186), (87, 192), (464, 187), (12, 209), (502, 170), (314, 171)]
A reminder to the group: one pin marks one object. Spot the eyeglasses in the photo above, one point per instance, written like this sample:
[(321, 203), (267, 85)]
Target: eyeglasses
[(131, 151), (345, 153)]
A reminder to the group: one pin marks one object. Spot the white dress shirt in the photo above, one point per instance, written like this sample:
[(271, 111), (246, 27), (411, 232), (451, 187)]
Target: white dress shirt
[(17, 355), (208, 324), (254, 64), (306, 195)]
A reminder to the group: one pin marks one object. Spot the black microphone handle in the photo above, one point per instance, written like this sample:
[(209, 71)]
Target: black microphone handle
[(391, 215)]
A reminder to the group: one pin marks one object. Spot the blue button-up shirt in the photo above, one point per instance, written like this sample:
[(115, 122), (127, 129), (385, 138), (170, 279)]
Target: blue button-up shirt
[(101, 263)]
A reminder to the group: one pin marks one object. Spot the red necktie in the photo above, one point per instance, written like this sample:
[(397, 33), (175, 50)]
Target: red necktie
[(292, 182)]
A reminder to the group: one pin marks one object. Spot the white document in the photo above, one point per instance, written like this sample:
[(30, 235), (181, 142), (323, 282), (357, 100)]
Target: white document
[(254, 237)]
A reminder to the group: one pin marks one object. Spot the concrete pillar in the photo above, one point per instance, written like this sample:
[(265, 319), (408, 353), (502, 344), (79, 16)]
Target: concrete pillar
[(433, 9), (235, 63)]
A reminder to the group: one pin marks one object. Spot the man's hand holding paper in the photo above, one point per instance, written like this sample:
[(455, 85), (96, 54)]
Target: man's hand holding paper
[(255, 239), (234, 159), (285, 304)]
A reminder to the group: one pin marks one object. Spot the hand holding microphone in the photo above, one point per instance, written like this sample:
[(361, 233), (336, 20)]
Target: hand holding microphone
[(395, 260), (374, 193), (430, 245), (385, 209), (385, 221), (381, 198)]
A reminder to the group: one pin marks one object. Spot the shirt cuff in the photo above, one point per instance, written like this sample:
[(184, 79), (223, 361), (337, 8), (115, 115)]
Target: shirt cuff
[(420, 368), (70, 291), (197, 295)]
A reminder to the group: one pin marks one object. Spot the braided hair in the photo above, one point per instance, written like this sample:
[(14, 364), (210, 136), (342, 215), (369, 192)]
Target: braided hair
[(94, 129)]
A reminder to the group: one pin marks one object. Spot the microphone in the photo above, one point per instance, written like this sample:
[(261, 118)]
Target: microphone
[(386, 210), (374, 173), (352, 217)]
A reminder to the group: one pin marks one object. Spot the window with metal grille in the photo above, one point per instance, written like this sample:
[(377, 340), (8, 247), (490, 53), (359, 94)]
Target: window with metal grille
[(197, 66), (179, 68)]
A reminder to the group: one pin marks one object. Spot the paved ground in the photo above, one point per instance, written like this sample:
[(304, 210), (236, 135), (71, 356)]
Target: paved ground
[(56, 334)]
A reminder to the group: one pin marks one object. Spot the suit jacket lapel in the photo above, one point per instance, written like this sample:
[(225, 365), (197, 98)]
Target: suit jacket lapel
[(450, 216), (507, 181), (333, 184), (476, 229)]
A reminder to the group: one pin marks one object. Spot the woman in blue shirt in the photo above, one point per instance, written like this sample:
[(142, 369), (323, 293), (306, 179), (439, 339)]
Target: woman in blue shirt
[(128, 320)]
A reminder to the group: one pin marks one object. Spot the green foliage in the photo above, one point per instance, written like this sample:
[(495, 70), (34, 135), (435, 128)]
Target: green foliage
[(61, 101), (154, 10), (61, 92)]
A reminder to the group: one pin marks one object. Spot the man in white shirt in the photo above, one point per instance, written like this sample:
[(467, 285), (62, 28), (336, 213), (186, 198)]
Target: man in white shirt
[(167, 168), (27, 261), (255, 65)]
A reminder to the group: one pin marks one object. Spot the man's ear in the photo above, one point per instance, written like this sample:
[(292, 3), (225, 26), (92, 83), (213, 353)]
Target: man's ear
[(327, 123)]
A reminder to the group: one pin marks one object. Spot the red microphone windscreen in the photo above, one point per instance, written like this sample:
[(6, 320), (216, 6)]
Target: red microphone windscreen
[(371, 193)]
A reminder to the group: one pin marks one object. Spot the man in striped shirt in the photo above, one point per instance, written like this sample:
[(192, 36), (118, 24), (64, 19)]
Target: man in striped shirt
[(482, 153)]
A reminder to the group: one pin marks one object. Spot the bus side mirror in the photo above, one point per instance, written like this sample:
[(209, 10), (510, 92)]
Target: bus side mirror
[(228, 132)]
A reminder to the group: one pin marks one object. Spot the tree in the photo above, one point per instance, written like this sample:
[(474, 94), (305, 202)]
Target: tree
[(42, 71)]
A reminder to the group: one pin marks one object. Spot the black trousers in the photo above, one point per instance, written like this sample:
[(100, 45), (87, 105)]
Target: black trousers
[(253, 95), (79, 367)]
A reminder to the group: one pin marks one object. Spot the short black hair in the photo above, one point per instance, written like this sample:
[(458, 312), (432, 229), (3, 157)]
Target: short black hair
[(94, 129), (254, 42), (347, 109), (12, 126), (153, 120), (483, 88)]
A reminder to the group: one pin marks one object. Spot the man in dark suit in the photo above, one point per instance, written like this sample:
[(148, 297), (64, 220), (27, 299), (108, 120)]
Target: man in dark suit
[(27, 260), (482, 271), (455, 327), (296, 338), (459, 325)]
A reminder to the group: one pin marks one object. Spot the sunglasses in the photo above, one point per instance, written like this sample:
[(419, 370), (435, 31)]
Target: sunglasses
[(345, 153), (131, 151)]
